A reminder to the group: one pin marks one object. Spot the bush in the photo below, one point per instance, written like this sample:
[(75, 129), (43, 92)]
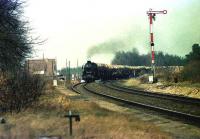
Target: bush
[(144, 78), (191, 71), (19, 91)]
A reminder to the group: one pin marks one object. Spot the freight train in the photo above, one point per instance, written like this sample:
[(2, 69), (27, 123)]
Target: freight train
[(95, 71)]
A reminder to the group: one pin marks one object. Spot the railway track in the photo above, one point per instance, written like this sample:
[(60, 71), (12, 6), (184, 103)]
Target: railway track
[(176, 98), (74, 88), (186, 117)]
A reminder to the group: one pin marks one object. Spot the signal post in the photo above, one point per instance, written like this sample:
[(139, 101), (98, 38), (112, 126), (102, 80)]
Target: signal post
[(152, 15)]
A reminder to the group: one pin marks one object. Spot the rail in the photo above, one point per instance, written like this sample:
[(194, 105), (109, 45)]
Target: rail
[(153, 94), (188, 118)]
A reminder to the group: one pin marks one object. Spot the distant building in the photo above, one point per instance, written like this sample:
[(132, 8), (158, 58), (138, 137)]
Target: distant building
[(46, 67)]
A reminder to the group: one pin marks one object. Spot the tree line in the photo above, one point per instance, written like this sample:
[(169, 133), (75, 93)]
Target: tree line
[(191, 61), (133, 58), (72, 71)]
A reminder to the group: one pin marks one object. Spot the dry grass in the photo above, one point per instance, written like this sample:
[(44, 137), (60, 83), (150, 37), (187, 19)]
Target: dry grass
[(131, 82), (116, 127), (44, 118), (47, 118), (181, 88)]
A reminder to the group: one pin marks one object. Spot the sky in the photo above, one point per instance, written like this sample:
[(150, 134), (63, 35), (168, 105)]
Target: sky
[(95, 29)]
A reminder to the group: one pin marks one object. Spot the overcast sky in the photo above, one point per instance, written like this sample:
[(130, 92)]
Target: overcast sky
[(74, 27)]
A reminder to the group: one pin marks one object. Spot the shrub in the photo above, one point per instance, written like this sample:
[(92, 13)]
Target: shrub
[(19, 91), (191, 71)]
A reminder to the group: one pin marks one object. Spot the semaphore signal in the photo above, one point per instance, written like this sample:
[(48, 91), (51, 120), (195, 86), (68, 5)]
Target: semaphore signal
[(152, 15)]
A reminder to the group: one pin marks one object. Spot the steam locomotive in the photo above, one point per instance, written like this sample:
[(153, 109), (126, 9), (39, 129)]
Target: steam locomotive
[(95, 71)]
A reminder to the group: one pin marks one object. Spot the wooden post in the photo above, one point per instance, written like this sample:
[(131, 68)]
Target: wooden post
[(71, 116)]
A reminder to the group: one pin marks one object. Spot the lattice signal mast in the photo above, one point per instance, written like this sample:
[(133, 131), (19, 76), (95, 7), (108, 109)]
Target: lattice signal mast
[(152, 15)]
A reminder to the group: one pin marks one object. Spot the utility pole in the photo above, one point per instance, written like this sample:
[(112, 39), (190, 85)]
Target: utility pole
[(77, 74), (44, 64), (152, 15), (65, 82), (69, 72), (66, 70)]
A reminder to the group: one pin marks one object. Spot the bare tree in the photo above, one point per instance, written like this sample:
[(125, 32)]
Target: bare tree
[(15, 42), (18, 89)]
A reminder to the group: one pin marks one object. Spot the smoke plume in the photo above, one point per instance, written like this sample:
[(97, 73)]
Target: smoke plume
[(108, 47)]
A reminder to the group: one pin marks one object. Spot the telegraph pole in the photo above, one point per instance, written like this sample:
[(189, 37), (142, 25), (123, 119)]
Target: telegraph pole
[(152, 15), (66, 70), (69, 72), (77, 74)]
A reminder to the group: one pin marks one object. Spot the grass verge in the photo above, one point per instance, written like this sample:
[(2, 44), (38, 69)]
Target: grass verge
[(182, 88), (46, 117)]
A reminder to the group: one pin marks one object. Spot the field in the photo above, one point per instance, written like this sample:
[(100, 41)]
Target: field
[(46, 118)]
